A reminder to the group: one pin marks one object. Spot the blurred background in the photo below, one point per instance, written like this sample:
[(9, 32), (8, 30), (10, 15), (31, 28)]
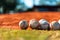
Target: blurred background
[(12, 6)]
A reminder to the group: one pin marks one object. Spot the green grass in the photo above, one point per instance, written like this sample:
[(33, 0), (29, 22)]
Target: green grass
[(7, 34)]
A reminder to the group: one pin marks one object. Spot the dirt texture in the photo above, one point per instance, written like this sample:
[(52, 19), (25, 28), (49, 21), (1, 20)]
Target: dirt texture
[(11, 21)]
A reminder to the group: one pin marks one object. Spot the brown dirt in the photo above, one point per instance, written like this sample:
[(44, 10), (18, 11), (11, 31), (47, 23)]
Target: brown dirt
[(11, 20)]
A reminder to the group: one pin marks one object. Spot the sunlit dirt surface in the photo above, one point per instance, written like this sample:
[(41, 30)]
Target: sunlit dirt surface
[(11, 21)]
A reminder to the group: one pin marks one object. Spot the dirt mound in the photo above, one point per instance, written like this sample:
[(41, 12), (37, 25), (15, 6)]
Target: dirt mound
[(11, 20)]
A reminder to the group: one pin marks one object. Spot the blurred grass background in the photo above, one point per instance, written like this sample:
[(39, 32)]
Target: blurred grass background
[(8, 34)]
